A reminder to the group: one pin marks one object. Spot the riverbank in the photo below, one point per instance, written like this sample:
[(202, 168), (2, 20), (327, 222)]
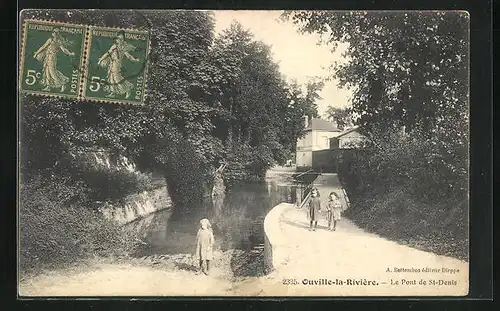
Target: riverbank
[(164, 257)]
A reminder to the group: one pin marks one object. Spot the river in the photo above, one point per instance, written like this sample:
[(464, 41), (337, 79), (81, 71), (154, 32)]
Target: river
[(237, 219)]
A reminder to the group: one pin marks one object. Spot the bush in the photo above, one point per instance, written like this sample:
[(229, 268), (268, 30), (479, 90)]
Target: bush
[(426, 168), (108, 181), (115, 184), (185, 172), (57, 226), (410, 189), (439, 228), (247, 163)]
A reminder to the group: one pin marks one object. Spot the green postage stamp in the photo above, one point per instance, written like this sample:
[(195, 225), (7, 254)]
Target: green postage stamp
[(52, 58), (84, 62), (116, 67)]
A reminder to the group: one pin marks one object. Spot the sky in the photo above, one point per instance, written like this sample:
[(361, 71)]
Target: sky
[(298, 55)]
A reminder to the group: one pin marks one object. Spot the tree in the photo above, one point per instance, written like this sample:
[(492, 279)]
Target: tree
[(265, 112), (300, 103), (208, 98), (180, 41), (342, 116), (411, 70), (406, 69), (174, 107), (313, 88)]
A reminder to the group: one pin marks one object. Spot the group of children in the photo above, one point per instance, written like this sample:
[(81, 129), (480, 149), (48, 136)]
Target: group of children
[(205, 237), (334, 210)]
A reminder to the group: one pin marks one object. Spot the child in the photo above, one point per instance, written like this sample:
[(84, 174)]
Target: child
[(204, 244), (334, 208), (314, 208)]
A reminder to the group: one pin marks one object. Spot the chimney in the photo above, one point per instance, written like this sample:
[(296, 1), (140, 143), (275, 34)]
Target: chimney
[(306, 121)]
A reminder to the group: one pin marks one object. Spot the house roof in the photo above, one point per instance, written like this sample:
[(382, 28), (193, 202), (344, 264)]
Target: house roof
[(352, 129), (321, 125)]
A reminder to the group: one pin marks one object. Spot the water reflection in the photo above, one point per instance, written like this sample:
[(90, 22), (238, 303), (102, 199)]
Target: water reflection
[(237, 219)]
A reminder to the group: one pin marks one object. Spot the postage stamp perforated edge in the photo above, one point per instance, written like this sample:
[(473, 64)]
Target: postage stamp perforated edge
[(22, 54), (84, 65), (146, 67)]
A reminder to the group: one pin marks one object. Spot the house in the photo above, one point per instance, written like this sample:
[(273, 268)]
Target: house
[(317, 137), (350, 138)]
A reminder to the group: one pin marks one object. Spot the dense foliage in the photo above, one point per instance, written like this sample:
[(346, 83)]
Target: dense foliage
[(409, 77), (341, 116), (265, 112), (57, 228), (210, 100)]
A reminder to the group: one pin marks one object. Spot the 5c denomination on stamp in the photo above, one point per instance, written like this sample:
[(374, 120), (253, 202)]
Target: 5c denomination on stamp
[(116, 65), (52, 58)]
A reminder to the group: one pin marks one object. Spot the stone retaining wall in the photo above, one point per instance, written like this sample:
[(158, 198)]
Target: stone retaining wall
[(273, 237), (137, 206)]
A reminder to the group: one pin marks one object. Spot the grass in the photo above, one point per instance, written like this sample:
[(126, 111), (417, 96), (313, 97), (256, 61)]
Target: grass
[(56, 232)]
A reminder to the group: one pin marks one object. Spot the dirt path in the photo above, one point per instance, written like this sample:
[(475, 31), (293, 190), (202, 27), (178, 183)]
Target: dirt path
[(123, 280), (135, 277), (351, 253)]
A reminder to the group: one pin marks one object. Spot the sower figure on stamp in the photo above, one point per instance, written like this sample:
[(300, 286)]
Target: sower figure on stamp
[(112, 60), (334, 210), (204, 245), (47, 55), (313, 209)]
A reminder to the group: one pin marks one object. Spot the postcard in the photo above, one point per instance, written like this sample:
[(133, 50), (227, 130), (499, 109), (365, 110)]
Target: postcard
[(222, 153)]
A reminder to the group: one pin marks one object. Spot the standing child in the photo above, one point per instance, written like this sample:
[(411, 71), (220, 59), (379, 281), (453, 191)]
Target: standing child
[(314, 208), (334, 208), (204, 245)]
